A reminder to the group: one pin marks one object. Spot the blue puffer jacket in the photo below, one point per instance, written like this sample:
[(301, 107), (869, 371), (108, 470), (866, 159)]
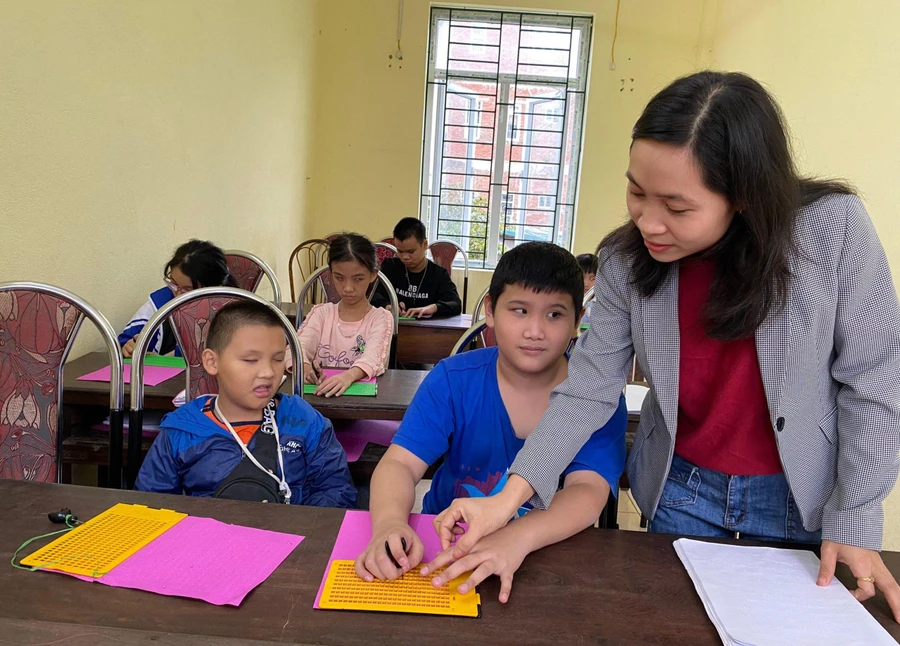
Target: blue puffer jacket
[(193, 455)]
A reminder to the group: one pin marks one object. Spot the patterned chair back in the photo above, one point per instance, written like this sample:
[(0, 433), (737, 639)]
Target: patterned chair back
[(248, 271), (38, 324), (326, 284), (444, 253), (190, 315), (383, 251), (190, 323), (305, 259), (389, 241)]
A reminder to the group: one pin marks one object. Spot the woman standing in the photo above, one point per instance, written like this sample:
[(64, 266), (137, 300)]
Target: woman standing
[(762, 311)]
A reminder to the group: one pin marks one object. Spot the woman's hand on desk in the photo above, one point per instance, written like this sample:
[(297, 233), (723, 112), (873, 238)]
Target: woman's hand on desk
[(501, 553), (482, 515), (864, 564)]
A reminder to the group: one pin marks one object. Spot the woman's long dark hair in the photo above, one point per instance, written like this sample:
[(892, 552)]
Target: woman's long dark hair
[(736, 133), (203, 262)]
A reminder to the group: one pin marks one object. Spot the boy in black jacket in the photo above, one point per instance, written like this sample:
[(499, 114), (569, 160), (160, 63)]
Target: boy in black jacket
[(423, 287)]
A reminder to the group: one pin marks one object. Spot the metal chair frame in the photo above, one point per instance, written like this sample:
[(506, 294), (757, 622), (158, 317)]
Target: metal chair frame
[(588, 297), (314, 248), (135, 425), (478, 312), (465, 257), (116, 382), (266, 270), (468, 337)]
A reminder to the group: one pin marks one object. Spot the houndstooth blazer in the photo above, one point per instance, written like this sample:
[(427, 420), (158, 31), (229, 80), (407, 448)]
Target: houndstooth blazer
[(830, 362)]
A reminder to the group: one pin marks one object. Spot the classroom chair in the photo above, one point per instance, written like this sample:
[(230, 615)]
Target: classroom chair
[(588, 297), (190, 314), (248, 271), (478, 312), (395, 305), (488, 339), (477, 336), (383, 251), (306, 258), (325, 291), (38, 326), (443, 252)]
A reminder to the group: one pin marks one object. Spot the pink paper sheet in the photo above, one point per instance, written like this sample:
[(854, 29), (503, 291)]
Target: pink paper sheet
[(353, 445), (202, 558), (354, 435), (356, 532), (372, 430), (153, 375)]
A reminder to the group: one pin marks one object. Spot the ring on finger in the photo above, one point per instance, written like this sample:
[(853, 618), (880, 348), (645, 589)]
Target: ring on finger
[(867, 579)]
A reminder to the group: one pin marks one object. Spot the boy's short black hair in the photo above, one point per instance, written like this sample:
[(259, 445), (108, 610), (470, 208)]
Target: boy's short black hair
[(588, 262), (234, 316), (539, 266), (410, 228)]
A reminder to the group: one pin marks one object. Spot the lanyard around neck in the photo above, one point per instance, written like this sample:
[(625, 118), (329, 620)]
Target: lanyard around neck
[(268, 421)]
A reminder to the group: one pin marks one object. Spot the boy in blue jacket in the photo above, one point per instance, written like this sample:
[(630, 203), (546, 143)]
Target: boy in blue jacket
[(225, 445)]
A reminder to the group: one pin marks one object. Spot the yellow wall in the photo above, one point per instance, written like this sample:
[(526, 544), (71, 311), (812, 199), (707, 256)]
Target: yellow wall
[(128, 127), (832, 66), (369, 109)]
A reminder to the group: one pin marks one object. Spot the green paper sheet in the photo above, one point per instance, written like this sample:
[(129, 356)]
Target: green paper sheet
[(164, 362), (358, 388)]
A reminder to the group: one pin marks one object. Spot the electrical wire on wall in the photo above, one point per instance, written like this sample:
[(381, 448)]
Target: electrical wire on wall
[(399, 53), (612, 49)]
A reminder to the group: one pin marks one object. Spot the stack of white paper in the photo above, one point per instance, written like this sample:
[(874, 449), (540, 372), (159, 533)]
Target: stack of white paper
[(756, 596)]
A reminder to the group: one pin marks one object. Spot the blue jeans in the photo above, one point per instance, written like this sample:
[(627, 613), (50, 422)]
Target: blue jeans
[(699, 502)]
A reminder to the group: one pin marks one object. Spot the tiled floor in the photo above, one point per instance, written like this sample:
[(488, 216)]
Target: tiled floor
[(629, 516), (421, 489)]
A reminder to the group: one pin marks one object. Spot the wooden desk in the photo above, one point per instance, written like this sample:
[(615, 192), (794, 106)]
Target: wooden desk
[(421, 341), (87, 402), (601, 586), (395, 391)]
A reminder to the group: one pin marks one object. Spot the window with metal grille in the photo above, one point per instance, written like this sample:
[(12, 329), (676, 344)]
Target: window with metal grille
[(504, 114)]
